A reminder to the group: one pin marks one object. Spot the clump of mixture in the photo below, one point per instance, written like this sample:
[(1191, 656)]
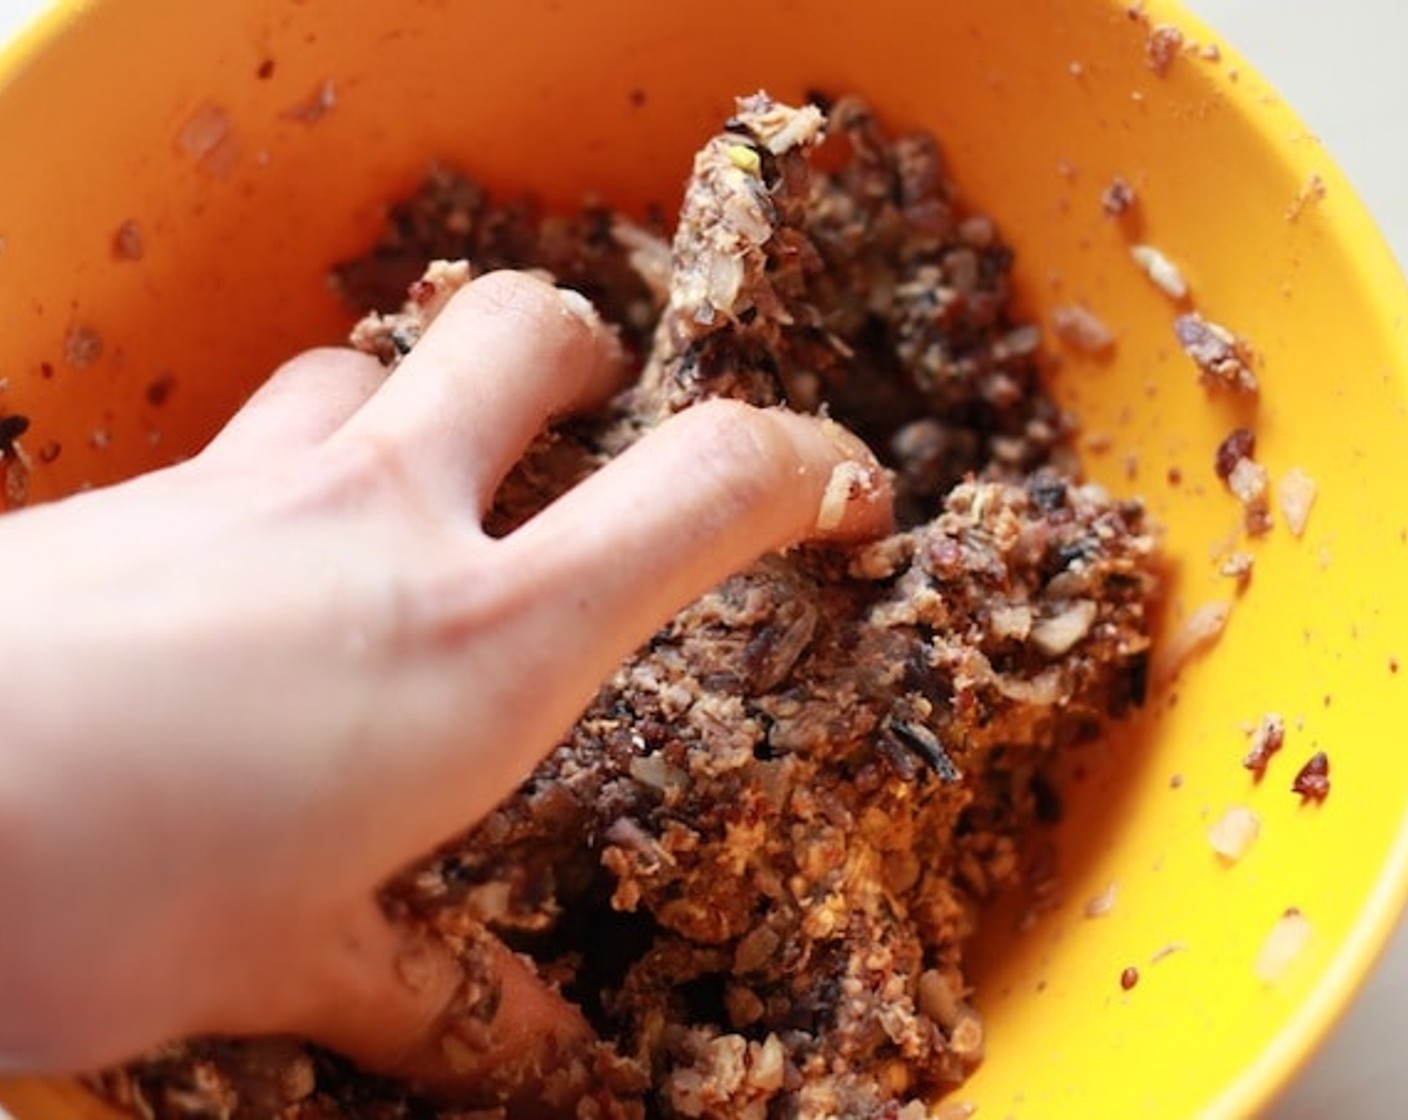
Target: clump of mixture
[(756, 860)]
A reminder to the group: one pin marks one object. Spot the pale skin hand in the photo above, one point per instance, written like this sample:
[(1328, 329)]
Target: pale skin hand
[(239, 693)]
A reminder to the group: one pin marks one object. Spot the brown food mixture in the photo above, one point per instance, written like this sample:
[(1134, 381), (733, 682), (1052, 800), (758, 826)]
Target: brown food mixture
[(756, 860)]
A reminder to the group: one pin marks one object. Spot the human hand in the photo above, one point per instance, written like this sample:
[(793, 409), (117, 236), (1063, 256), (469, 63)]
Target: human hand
[(240, 693)]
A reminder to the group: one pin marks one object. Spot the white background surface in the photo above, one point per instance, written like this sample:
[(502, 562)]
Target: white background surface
[(1342, 66)]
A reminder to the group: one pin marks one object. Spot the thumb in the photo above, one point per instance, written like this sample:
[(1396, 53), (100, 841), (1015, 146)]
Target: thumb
[(463, 1018)]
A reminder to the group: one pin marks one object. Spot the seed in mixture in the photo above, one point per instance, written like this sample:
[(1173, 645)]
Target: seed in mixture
[(1129, 978)]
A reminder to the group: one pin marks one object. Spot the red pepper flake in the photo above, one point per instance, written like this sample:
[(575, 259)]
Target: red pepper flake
[(1266, 740), (1313, 780), (1129, 977), (1175, 476)]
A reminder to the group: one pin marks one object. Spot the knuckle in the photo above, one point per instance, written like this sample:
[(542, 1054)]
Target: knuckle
[(741, 453)]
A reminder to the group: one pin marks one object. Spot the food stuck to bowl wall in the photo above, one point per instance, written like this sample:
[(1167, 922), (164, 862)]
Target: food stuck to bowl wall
[(756, 860)]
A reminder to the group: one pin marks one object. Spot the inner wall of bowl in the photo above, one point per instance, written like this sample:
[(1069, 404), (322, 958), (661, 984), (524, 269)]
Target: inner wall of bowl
[(253, 144)]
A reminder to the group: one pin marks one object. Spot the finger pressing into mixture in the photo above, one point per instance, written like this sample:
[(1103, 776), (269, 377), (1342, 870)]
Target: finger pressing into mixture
[(506, 354), (695, 500), (305, 400), (463, 1017)]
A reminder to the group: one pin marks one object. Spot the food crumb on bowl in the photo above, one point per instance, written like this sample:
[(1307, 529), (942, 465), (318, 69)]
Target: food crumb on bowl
[(1129, 978), (1118, 198), (1312, 781), (1199, 631), (1295, 494), (1311, 192), (12, 426), (1267, 738), (1082, 330), (1161, 47), (1283, 944), (1162, 272), (1234, 832), (1239, 444), (318, 104), (82, 346), (16, 482), (127, 241), (1237, 566), (207, 137), (1163, 952), (1224, 359), (1099, 905)]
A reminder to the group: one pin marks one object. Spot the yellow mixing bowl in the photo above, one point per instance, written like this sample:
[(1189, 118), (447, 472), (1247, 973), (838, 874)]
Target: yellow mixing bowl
[(178, 177)]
